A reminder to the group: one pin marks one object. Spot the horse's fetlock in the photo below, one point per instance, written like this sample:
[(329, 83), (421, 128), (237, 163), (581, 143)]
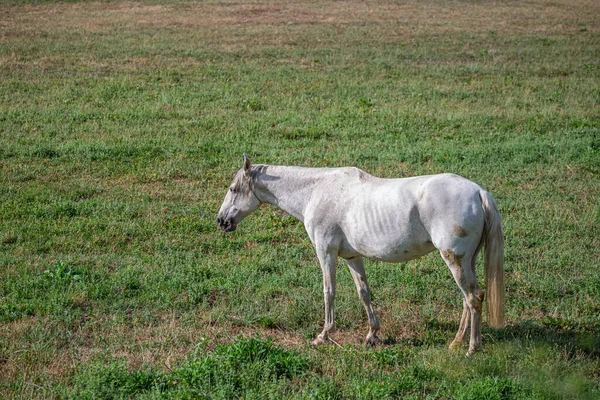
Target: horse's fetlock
[(372, 340), (455, 344), (375, 326)]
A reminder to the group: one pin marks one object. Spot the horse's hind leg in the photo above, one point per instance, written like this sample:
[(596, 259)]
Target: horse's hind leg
[(464, 275), (462, 329), (466, 314), (357, 269)]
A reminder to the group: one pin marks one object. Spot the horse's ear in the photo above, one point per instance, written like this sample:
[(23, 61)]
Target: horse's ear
[(247, 164)]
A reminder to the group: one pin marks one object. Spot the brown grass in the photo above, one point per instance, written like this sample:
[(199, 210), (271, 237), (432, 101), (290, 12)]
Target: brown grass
[(240, 25), (408, 18)]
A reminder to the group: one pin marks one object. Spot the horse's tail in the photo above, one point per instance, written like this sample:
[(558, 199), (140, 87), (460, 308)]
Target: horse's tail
[(494, 260)]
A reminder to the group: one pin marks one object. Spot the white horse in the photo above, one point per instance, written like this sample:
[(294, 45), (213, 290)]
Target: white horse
[(351, 214)]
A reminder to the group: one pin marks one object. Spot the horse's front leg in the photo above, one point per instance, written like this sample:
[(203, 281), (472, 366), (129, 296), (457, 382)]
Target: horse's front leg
[(327, 259)]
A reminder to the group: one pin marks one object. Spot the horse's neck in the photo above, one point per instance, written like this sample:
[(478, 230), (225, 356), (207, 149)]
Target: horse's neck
[(288, 188)]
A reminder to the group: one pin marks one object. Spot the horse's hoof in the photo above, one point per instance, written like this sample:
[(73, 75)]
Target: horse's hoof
[(455, 344), (372, 341), (473, 350), (318, 341)]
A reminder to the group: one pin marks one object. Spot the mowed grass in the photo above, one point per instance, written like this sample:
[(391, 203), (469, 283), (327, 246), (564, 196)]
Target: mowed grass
[(122, 123)]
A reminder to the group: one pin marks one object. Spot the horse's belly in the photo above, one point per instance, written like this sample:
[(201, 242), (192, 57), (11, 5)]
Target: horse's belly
[(387, 250), (387, 227), (407, 253)]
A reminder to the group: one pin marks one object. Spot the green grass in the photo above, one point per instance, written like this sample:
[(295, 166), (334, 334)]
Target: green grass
[(121, 125)]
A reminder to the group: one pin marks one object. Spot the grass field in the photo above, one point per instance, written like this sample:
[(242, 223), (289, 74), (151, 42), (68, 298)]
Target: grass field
[(122, 123)]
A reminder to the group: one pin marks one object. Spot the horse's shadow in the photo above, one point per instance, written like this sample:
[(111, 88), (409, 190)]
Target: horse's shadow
[(573, 339)]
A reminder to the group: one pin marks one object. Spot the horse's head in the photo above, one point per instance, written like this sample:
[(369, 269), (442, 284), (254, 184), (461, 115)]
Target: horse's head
[(240, 199)]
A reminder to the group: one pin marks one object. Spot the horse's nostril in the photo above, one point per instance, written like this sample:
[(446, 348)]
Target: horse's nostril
[(219, 221)]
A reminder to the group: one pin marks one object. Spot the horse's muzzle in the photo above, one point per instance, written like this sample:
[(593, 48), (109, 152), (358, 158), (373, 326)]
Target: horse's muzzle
[(226, 225)]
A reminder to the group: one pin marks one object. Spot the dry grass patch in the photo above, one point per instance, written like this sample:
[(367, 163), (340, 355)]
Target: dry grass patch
[(411, 18)]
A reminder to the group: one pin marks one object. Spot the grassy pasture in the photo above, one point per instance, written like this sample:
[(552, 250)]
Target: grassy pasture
[(122, 123)]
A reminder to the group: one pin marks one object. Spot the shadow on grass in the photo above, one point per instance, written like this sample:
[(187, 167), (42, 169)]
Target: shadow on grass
[(573, 337)]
